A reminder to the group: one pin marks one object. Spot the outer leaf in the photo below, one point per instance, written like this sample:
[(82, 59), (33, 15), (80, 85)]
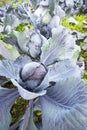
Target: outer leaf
[(3, 50), (21, 61), (60, 71), (11, 20), (13, 52), (11, 69), (61, 46), (8, 51), (28, 123), (7, 98), (63, 70), (27, 94), (22, 41), (64, 107), (7, 69)]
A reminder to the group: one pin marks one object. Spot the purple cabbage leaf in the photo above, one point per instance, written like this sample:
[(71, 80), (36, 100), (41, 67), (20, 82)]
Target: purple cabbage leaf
[(27, 122), (7, 99), (7, 69), (29, 42), (64, 107), (61, 46)]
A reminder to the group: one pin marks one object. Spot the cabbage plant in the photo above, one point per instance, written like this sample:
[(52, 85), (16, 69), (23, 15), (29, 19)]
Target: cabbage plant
[(58, 88), (55, 88), (45, 71)]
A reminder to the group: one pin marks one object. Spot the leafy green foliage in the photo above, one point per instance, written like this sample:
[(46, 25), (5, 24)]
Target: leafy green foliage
[(78, 27), (2, 36), (5, 2), (18, 109), (31, 27), (20, 27), (85, 76), (84, 54)]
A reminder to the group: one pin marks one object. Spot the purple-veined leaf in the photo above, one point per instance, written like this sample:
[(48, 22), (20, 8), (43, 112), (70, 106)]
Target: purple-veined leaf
[(27, 94), (27, 122), (64, 107), (35, 44), (7, 98), (7, 69), (21, 61), (29, 14), (62, 70), (61, 46), (29, 42), (10, 69), (21, 14)]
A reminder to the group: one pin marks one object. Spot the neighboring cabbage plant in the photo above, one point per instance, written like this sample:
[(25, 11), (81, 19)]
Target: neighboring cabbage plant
[(29, 42), (58, 88)]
